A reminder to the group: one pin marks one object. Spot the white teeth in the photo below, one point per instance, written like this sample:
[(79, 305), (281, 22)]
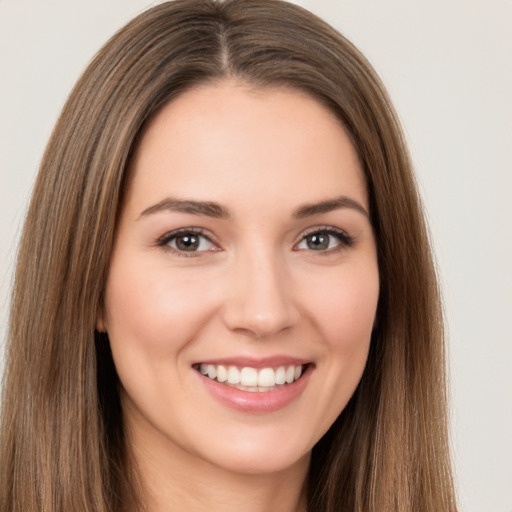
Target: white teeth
[(280, 375), (251, 379), (222, 373), (233, 375), (267, 378), (212, 371)]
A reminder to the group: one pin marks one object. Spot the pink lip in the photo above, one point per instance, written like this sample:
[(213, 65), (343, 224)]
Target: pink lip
[(267, 362), (256, 402)]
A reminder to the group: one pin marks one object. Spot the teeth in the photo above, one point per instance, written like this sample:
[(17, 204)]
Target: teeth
[(267, 378), (280, 375), (212, 371), (222, 373), (233, 375), (250, 379)]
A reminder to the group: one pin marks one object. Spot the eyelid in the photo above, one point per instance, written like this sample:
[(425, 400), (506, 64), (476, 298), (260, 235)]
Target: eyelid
[(164, 240), (344, 238)]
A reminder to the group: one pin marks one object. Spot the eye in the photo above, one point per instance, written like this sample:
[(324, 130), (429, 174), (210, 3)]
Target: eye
[(187, 241), (325, 239)]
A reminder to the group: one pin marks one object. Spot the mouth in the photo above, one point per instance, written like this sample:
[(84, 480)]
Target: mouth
[(251, 379)]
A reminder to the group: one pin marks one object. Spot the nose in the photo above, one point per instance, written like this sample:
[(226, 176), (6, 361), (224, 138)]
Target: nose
[(260, 301)]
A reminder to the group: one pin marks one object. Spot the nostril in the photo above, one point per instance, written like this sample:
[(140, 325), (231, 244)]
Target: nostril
[(259, 322)]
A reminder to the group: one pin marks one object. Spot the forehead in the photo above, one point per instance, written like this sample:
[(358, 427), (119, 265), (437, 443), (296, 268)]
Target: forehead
[(227, 141)]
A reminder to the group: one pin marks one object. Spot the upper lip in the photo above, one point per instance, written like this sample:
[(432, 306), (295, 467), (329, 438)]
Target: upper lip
[(255, 362)]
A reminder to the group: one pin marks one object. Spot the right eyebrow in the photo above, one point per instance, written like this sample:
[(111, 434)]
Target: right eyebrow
[(207, 208)]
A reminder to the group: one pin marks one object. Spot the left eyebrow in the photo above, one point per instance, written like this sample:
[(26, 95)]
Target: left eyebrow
[(330, 205)]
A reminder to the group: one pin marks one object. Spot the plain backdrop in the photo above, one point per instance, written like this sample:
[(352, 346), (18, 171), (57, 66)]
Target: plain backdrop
[(448, 67)]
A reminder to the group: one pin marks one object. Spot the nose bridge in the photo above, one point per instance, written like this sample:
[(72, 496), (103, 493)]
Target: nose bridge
[(261, 301)]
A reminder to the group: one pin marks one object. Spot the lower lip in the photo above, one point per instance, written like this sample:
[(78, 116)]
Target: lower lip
[(257, 402)]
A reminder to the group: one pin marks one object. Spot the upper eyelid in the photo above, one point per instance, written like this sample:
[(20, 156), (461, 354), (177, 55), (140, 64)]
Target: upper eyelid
[(324, 228), (164, 239), (346, 240)]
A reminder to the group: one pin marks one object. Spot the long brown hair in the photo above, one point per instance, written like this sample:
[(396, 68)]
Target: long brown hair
[(62, 445)]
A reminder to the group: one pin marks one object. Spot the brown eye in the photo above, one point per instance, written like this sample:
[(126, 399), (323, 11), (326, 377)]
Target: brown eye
[(318, 241), (189, 242)]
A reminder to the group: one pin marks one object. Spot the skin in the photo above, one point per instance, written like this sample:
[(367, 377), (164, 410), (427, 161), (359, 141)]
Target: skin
[(255, 288)]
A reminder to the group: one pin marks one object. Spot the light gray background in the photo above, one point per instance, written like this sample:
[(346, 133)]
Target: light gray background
[(447, 65)]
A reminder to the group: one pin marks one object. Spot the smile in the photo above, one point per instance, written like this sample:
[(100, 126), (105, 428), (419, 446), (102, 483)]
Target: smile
[(255, 386), (252, 379)]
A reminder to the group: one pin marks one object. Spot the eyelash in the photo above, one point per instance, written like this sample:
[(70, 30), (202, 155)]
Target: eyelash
[(345, 240), (166, 239)]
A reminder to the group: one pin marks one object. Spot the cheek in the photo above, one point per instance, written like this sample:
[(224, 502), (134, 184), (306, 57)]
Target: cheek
[(150, 309), (345, 312), (152, 316)]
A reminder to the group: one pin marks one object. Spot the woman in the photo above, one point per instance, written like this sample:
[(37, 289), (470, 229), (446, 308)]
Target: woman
[(225, 293)]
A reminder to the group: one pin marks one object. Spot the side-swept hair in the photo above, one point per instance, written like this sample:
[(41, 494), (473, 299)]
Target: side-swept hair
[(62, 446)]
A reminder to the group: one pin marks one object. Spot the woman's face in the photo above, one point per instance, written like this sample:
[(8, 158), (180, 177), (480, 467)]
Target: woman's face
[(244, 258)]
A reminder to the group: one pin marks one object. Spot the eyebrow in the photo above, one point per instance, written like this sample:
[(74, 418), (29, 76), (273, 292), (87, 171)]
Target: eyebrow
[(207, 208), (330, 205), (217, 211)]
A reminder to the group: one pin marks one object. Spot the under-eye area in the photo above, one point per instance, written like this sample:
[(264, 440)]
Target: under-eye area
[(253, 379)]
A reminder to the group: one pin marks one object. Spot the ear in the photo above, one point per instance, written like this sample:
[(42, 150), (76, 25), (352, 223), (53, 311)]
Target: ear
[(101, 324)]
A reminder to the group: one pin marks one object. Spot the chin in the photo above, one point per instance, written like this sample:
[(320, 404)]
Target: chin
[(264, 449), (257, 461)]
